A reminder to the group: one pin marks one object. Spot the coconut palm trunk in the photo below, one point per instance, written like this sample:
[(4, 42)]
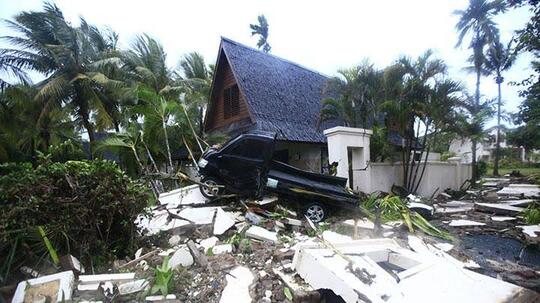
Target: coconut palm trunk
[(498, 141)]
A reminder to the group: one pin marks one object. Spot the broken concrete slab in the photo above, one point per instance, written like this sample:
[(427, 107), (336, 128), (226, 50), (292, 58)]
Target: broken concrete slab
[(182, 196), (266, 200), (90, 279), (162, 299), (55, 288), (223, 222), (198, 215), (461, 222), (260, 233), (237, 289), (133, 287), (525, 190), (451, 207), (502, 218), (497, 208), (530, 230), (158, 221), (181, 257)]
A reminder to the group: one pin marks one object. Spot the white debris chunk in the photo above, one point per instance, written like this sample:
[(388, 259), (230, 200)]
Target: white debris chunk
[(222, 248), (465, 223), (182, 257), (57, 287), (526, 190), (260, 233), (530, 230), (89, 279), (207, 243), (446, 247), (133, 287), (237, 289), (498, 208), (334, 237), (198, 215), (182, 196), (223, 222), (502, 218)]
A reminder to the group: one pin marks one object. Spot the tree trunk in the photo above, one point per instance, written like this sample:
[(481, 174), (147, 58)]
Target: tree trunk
[(164, 125), (476, 105), (498, 142)]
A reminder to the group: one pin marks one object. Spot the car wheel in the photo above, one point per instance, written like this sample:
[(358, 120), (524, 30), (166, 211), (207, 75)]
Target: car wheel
[(315, 212), (207, 188)]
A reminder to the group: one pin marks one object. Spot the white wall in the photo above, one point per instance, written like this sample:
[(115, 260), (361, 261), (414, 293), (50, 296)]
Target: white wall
[(303, 155), (441, 175)]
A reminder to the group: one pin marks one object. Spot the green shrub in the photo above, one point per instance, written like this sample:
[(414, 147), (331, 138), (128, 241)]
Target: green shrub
[(447, 155), (481, 168), (532, 214), (87, 208)]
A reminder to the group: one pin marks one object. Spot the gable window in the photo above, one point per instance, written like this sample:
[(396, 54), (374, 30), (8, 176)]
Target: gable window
[(231, 101)]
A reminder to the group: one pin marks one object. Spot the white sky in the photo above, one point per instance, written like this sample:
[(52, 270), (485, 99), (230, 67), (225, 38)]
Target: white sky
[(321, 35)]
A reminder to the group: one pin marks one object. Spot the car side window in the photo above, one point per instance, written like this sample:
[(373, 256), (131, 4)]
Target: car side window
[(249, 148)]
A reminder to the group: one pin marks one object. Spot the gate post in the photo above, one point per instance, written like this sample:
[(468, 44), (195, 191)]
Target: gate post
[(349, 147)]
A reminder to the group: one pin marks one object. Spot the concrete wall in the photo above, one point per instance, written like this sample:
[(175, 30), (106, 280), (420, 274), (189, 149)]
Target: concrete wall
[(441, 175), (303, 155)]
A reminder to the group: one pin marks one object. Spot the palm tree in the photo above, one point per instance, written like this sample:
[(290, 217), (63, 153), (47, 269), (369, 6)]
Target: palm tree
[(499, 59), (477, 21), (261, 30), (359, 91), (64, 54)]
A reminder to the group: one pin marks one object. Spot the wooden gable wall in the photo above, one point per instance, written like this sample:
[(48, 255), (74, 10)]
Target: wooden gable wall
[(224, 79)]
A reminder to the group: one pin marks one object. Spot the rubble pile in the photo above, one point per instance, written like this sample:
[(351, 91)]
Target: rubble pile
[(261, 251)]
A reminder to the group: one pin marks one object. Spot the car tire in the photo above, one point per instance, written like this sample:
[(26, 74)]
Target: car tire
[(206, 192), (316, 212)]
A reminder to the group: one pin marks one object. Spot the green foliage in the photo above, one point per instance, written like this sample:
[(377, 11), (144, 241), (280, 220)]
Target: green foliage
[(261, 29), (447, 155), (393, 208), (48, 244), (288, 294), (481, 168), (163, 278), (532, 214), (87, 208)]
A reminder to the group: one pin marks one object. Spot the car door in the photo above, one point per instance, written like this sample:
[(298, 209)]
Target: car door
[(244, 165)]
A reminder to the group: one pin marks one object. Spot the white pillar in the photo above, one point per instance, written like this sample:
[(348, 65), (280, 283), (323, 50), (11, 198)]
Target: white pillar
[(340, 140)]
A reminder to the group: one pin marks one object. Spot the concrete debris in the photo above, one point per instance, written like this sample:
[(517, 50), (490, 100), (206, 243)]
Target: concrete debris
[(55, 288), (133, 287), (503, 218), (162, 299), (266, 200), (181, 257), (452, 207), (207, 243), (446, 247), (497, 208), (237, 289), (460, 223), (199, 258), (253, 218), (223, 222), (69, 262), (123, 277), (523, 190), (222, 249), (188, 195), (198, 215), (530, 230), (260, 233), (174, 240)]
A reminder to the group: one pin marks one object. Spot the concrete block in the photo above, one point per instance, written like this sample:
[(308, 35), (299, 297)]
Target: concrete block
[(260, 233), (207, 243), (69, 262), (56, 288), (502, 218), (182, 196), (223, 222), (181, 257), (237, 288)]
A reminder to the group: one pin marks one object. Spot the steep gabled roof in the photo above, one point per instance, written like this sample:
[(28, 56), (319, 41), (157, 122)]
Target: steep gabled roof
[(282, 96)]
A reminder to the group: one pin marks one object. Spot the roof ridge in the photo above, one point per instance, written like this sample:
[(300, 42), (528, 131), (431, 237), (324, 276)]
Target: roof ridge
[(272, 55)]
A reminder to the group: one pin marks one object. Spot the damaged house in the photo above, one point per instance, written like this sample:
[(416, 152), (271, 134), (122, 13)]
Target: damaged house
[(253, 90)]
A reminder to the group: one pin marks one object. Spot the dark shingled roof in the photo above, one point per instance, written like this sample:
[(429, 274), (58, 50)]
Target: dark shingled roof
[(282, 96)]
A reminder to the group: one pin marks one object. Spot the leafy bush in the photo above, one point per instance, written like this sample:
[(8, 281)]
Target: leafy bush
[(510, 163), (532, 214), (481, 168), (87, 209)]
